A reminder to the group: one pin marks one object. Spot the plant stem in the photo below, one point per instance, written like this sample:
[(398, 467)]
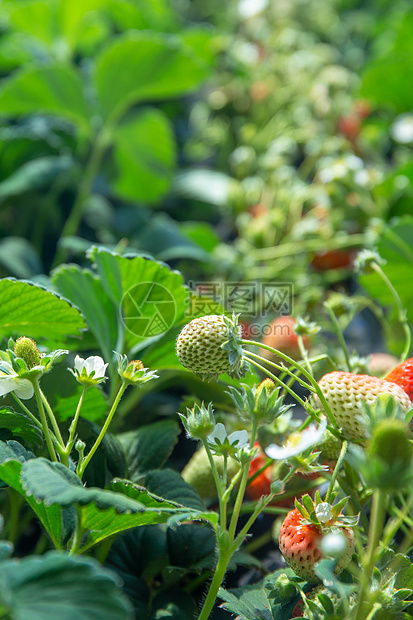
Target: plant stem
[(220, 570), (339, 333), (43, 419), (251, 357), (306, 374), (221, 500), (378, 511), (336, 470), (73, 425), (15, 500), (304, 354), (242, 486), (85, 462), (27, 411), (286, 249), (400, 310), (53, 420)]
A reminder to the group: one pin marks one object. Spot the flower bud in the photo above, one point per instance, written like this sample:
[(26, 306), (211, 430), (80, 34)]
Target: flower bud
[(27, 349), (199, 422), (283, 589), (390, 441)]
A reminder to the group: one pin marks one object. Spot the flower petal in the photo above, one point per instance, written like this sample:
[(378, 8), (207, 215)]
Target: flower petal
[(240, 436), (22, 387), (79, 363), (219, 433)]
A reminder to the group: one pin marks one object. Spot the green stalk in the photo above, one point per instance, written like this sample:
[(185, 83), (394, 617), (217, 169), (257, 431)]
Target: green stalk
[(242, 486), (304, 354), (73, 425), (53, 420), (306, 374), (340, 335), (310, 245), (86, 461), (43, 420), (400, 310), (378, 512), (222, 502), (251, 357), (27, 411), (225, 553), (336, 471)]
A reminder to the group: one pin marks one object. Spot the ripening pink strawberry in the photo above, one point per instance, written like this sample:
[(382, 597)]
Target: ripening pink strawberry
[(346, 394), (301, 536)]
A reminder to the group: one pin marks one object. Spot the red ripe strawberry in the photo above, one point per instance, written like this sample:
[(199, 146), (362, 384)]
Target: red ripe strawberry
[(262, 483), (349, 126), (333, 259), (346, 394), (402, 376), (302, 532), (280, 335)]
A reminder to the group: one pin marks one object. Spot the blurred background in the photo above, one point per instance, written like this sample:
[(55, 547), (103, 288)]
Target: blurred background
[(266, 139)]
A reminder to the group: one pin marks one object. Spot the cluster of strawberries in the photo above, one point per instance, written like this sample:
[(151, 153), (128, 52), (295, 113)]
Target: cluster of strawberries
[(344, 393)]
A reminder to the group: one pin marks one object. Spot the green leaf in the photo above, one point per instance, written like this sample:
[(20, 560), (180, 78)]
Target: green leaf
[(84, 289), (78, 18), (101, 513), (12, 456), (144, 157), (164, 238), (249, 603), (144, 66), (20, 427), (150, 297), (57, 586), (35, 175), (19, 257), (170, 484), (56, 90), (158, 15), (149, 447), (384, 77), (34, 19), (30, 310), (192, 546)]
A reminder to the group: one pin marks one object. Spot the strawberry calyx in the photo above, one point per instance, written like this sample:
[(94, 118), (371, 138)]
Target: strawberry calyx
[(324, 515)]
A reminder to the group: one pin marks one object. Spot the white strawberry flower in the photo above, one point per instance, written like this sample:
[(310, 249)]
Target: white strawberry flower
[(11, 382), (221, 443), (297, 442), (89, 371)]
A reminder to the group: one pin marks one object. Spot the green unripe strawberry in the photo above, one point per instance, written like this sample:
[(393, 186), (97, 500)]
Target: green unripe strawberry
[(198, 473), (26, 348), (391, 443), (209, 346), (329, 446)]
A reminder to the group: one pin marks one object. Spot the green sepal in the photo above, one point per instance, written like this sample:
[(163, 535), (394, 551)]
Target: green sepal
[(339, 507)]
